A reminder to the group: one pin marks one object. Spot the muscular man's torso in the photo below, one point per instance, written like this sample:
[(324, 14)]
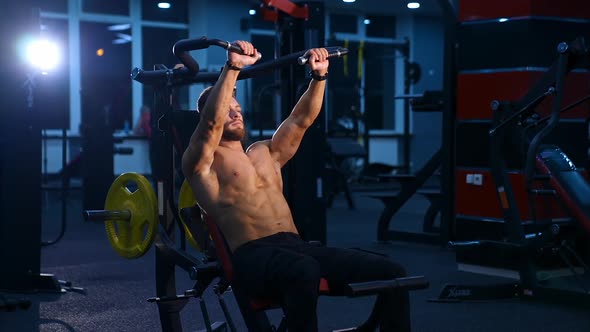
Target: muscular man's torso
[(244, 194)]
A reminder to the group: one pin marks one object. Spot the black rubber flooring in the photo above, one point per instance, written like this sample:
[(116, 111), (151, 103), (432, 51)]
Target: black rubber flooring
[(117, 289)]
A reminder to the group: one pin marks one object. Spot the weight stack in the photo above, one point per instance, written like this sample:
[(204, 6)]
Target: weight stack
[(504, 47)]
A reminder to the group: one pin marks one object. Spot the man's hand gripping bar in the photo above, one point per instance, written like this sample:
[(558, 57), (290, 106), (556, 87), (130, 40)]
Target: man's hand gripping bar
[(236, 49), (182, 47), (333, 52)]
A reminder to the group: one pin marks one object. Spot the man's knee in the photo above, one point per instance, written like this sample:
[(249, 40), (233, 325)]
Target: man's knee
[(306, 271), (301, 286)]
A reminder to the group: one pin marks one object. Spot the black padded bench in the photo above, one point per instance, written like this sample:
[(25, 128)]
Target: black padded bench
[(253, 309), (386, 197), (433, 195), (402, 179)]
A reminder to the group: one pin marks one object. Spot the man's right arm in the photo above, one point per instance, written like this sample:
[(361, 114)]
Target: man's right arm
[(198, 157)]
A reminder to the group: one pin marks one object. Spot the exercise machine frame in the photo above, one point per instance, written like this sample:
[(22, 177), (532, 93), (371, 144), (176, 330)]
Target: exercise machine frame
[(523, 242), (164, 80)]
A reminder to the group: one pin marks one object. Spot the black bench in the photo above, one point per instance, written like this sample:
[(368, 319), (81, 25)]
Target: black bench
[(386, 197), (402, 179), (434, 197)]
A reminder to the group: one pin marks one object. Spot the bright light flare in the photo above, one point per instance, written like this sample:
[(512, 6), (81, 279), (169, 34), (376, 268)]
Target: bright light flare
[(413, 5), (164, 5), (43, 54)]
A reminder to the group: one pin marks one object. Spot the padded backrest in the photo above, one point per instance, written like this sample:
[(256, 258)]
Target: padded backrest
[(223, 252), (569, 183)]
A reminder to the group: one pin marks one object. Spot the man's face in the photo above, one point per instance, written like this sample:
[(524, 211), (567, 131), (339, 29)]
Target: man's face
[(233, 129)]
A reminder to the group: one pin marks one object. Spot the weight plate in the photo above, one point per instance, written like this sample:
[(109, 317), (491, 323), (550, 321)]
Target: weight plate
[(133, 192)]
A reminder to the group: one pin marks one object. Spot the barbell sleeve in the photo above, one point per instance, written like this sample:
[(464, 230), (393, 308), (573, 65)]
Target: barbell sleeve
[(104, 215)]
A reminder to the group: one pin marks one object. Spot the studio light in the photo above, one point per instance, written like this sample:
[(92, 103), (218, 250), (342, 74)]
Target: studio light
[(42, 54)]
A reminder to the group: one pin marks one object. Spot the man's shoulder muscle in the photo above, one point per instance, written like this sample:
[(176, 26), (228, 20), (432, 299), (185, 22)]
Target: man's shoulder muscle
[(257, 146)]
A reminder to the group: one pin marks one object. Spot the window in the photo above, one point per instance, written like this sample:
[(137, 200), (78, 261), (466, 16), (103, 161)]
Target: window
[(379, 71), (381, 26), (53, 88), (261, 112), (178, 11), (105, 65), (362, 98), (54, 6), (157, 49), (104, 51), (343, 23), (344, 92), (119, 7)]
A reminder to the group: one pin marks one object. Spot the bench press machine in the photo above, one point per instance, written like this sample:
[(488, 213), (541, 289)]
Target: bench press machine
[(215, 263), (253, 309)]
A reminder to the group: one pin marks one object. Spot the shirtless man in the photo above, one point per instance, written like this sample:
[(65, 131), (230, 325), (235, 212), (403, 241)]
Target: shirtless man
[(243, 192)]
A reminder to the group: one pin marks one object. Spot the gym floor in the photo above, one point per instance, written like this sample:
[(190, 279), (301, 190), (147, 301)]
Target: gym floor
[(117, 289)]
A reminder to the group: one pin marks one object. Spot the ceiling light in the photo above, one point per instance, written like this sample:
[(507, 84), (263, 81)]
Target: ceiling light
[(503, 19), (367, 21), (164, 5), (348, 1), (413, 5), (252, 12)]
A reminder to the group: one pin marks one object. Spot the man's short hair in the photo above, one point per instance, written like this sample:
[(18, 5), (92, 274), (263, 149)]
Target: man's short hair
[(204, 95), (203, 98)]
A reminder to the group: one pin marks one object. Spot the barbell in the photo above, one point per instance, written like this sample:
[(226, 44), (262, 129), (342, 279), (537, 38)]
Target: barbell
[(130, 215)]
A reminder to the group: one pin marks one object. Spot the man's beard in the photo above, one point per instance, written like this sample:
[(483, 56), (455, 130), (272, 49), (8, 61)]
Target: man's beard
[(234, 134)]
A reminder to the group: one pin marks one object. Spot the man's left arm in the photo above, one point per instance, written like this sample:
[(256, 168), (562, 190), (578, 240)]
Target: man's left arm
[(288, 136)]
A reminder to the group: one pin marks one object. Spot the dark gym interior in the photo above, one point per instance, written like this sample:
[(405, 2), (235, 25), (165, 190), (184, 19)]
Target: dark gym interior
[(453, 139)]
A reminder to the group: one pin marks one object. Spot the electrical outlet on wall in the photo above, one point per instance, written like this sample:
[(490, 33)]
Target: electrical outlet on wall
[(478, 179)]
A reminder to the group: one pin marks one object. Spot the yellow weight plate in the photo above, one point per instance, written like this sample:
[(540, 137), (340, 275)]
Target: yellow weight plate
[(197, 233), (133, 192)]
